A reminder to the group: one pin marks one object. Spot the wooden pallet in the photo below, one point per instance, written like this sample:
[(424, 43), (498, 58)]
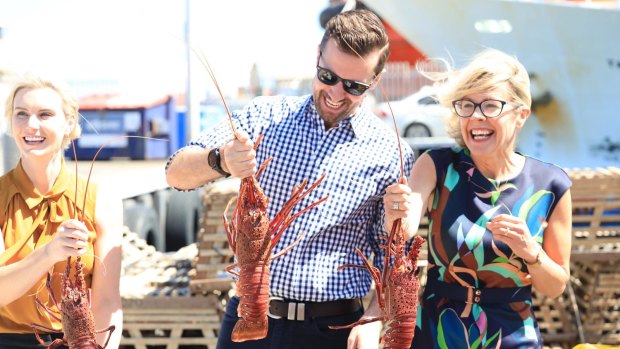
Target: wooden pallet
[(171, 323)]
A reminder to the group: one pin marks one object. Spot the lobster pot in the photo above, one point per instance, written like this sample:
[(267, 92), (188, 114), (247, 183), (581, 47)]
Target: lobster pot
[(214, 253), (595, 260), (170, 323), (598, 298), (556, 319)]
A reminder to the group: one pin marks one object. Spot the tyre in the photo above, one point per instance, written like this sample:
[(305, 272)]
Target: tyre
[(182, 219), (416, 129), (143, 221)]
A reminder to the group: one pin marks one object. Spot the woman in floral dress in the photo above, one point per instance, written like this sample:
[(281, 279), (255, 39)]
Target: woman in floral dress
[(500, 221)]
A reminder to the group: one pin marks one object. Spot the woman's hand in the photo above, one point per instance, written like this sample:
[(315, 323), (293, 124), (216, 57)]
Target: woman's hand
[(514, 232), (70, 240), (397, 203)]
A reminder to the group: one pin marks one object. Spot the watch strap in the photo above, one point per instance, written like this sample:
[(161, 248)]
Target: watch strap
[(216, 164)]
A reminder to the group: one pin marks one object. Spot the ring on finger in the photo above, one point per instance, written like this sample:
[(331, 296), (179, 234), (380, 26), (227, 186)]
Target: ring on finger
[(396, 205)]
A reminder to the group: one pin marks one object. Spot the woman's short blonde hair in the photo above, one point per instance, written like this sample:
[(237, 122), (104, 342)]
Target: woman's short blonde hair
[(70, 106), (489, 70)]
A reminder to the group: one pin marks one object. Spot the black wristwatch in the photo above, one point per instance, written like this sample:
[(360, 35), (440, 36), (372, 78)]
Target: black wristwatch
[(215, 161)]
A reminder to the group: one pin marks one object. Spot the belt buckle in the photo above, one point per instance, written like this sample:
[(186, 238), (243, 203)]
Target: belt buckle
[(273, 316), (296, 311)]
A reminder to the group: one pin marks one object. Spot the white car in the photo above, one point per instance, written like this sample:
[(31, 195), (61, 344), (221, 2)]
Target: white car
[(418, 115)]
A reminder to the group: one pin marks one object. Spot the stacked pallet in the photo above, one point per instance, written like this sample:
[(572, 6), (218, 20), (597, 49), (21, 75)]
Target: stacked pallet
[(595, 271), (214, 253), (159, 310), (170, 323), (596, 213)]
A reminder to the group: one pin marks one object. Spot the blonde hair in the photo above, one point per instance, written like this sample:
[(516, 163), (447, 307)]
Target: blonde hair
[(70, 106), (489, 70)]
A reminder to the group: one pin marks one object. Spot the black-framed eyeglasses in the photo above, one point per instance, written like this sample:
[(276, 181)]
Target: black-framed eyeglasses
[(328, 77), (490, 108)]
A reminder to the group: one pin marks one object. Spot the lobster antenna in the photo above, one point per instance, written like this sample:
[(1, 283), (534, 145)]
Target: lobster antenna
[(90, 124), (92, 163), (396, 226), (400, 149), (76, 176), (205, 63)]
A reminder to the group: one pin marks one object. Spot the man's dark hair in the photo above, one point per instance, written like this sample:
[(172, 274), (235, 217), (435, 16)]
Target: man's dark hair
[(358, 32)]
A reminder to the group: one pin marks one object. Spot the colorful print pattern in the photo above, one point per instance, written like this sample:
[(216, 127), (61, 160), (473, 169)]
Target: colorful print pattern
[(462, 252)]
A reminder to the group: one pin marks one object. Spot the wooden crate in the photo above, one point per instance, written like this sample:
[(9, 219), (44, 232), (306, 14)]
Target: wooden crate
[(598, 298), (596, 213), (171, 323), (595, 257), (557, 319)]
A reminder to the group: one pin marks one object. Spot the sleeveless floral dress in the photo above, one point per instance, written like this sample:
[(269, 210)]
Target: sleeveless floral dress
[(478, 293)]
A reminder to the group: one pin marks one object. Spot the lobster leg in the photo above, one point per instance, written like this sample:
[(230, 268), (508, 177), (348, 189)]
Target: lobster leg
[(290, 247), (376, 276), (359, 322), (111, 329), (46, 330), (230, 228), (56, 343), (49, 311), (231, 269)]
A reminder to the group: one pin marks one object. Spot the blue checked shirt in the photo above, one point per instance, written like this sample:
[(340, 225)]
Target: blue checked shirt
[(360, 158)]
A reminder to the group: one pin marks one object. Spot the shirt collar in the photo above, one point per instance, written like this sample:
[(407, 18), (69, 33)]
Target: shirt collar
[(360, 122), (31, 195)]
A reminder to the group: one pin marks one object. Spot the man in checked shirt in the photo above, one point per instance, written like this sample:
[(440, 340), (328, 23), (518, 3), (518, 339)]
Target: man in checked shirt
[(331, 132)]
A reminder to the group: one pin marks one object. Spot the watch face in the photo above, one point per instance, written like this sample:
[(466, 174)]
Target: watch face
[(211, 159)]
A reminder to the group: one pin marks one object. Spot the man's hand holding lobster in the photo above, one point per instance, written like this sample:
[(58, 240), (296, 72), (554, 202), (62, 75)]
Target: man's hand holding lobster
[(238, 156)]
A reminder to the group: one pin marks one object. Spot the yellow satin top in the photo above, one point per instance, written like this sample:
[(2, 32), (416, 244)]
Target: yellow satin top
[(28, 220)]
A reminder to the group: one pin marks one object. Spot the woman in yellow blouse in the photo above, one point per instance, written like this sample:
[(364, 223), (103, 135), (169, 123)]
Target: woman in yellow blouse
[(40, 225)]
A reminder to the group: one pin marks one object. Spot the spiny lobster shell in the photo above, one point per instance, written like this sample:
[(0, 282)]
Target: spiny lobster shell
[(78, 322)]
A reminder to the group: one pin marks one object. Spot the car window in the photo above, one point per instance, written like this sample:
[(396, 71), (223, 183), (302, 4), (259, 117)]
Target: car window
[(428, 100)]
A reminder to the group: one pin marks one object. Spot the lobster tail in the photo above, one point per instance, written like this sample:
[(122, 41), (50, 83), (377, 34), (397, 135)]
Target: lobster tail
[(246, 330), (253, 293), (400, 332)]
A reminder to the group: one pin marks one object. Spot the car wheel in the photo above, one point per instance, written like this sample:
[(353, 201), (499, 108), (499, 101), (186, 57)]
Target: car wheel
[(182, 219), (142, 220), (416, 129)]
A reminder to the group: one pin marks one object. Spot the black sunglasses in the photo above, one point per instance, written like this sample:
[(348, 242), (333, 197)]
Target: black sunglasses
[(330, 78)]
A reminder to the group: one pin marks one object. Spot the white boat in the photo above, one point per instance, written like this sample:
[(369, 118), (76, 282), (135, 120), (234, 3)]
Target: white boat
[(570, 48)]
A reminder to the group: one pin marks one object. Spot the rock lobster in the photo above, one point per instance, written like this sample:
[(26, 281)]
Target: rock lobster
[(252, 237), (77, 319), (397, 290), (398, 285), (78, 323)]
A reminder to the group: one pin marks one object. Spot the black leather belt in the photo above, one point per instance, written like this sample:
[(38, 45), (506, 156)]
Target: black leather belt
[(294, 310), (471, 295)]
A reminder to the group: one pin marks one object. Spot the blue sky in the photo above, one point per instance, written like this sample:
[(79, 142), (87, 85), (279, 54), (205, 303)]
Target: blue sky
[(139, 42)]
